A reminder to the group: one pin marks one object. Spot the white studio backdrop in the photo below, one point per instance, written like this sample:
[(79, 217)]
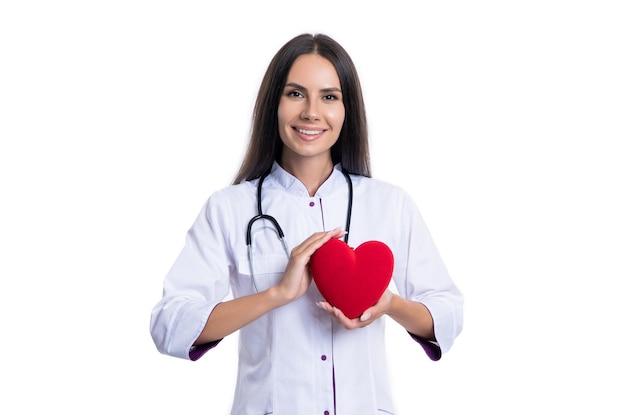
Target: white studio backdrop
[(504, 120)]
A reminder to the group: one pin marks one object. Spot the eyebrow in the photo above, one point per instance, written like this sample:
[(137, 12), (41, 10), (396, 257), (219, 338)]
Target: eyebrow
[(324, 90)]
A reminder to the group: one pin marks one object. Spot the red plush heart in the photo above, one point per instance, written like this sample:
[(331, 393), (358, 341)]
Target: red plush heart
[(352, 279)]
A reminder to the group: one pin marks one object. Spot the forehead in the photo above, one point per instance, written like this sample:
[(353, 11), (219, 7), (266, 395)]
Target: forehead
[(313, 68)]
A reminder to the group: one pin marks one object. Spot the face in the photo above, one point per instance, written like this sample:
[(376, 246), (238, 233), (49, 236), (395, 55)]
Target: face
[(311, 110)]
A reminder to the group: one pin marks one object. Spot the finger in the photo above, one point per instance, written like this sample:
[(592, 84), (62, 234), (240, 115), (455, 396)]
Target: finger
[(369, 312), (324, 305), (313, 242), (345, 321), (337, 233), (365, 316), (326, 236)]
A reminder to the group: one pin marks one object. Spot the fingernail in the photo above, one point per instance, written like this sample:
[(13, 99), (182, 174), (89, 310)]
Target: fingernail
[(365, 316), (336, 311)]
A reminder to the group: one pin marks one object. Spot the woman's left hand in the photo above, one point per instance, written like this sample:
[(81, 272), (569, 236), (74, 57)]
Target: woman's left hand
[(369, 315)]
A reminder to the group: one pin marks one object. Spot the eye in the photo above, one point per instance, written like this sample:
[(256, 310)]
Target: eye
[(330, 97), (295, 94)]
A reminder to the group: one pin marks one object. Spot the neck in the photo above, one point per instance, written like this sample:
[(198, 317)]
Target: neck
[(312, 173)]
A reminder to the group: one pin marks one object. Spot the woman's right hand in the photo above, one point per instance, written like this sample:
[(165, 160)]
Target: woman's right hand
[(231, 315), (297, 277)]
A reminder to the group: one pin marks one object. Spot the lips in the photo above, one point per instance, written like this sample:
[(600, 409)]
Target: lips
[(309, 133)]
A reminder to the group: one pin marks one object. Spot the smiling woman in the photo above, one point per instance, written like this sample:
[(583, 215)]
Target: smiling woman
[(310, 117), (307, 163)]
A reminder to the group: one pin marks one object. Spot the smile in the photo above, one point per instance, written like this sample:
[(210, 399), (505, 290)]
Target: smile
[(309, 132)]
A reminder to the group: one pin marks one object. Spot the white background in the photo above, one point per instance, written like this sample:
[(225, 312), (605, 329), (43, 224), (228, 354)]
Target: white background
[(505, 120)]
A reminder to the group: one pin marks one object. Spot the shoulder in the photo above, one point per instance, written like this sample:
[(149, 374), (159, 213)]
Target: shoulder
[(231, 195), (234, 190), (380, 195), (378, 187)]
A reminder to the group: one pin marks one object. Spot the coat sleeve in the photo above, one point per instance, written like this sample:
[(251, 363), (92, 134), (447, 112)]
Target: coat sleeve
[(197, 281), (421, 276)]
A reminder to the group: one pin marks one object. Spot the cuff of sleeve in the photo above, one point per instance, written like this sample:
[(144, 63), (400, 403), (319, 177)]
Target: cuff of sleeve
[(196, 352), (432, 349)]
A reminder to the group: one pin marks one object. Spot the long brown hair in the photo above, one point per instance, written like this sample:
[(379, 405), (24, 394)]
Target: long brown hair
[(265, 146)]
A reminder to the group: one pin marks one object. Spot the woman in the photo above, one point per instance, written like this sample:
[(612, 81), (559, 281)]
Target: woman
[(297, 353)]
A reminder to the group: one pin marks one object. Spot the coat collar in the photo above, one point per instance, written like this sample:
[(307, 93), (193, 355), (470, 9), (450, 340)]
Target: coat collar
[(280, 178)]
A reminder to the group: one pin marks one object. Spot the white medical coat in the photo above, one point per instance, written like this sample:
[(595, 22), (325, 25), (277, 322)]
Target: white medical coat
[(296, 360)]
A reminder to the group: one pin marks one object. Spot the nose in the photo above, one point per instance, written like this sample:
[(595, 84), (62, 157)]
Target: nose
[(310, 111)]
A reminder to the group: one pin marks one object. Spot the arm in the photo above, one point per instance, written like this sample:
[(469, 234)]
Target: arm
[(412, 315), (229, 316), (428, 304), (192, 316)]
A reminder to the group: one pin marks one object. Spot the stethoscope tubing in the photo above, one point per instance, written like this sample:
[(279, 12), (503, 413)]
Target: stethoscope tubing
[(281, 235)]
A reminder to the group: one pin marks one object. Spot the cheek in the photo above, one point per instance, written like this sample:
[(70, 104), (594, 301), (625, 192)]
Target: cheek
[(285, 114), (336, 116), (281, 115), (284, 119)]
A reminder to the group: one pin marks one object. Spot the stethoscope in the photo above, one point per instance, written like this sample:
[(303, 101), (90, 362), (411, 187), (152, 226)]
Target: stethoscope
[(278, 229)]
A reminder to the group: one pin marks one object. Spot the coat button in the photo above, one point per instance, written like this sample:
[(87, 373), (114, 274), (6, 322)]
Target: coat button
[(323, 357)]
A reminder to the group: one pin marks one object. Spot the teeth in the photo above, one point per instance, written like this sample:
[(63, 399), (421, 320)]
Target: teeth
[(309, 132)]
